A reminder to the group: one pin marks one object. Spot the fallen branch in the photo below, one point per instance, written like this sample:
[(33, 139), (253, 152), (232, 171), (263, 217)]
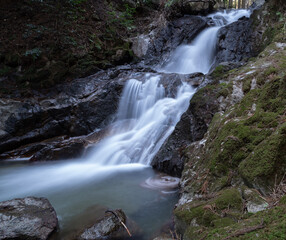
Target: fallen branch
[(245, 230), (122, 223)]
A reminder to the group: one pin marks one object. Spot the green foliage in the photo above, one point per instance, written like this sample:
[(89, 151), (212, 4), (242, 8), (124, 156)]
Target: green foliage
[(169, 3), (34, 53), (77, 2), (124, 18), (280, 16)]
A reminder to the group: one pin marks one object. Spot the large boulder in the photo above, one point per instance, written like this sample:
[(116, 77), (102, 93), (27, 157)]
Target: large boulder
[(27, 218)]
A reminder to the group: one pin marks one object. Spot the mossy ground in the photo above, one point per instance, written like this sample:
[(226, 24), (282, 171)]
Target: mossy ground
[(245, 147)]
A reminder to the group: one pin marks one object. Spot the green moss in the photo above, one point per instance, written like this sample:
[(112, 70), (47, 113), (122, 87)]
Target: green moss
[(224, 89), (266, 160), (223, 222), (246, 85), (218, 72), (199, 214), (269, 71), (220, 183), (283, 200), (274, 221), (229, 198)]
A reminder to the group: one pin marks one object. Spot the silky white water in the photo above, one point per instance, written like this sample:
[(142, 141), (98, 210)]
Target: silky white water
[(115, 172), (146, 117), (200, 54)]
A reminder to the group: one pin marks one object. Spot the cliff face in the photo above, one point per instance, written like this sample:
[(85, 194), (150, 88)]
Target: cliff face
[(239, 166)]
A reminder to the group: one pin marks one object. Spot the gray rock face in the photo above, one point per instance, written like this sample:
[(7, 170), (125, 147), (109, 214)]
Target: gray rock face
[(235, 42), (110, 227), (27, 218), (72, 109)]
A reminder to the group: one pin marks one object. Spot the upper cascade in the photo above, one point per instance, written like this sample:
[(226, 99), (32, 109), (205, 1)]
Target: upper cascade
[(200, 54)]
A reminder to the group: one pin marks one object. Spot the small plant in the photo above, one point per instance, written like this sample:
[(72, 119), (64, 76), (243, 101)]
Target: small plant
[(280, 16), (169, 3), (96, 41), (125, 18), (77, 2), (34, 53)]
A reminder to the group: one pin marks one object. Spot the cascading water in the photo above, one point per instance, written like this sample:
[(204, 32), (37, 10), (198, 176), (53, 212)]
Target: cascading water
[(145, 118), (199, 55)]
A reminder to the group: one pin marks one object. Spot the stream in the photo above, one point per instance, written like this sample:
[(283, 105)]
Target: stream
[(117, 172)]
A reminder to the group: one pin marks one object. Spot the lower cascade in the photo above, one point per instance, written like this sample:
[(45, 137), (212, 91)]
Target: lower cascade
[(146, 117)]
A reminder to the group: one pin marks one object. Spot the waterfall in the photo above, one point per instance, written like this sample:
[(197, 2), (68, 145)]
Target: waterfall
[(199, 55), (146, 117)]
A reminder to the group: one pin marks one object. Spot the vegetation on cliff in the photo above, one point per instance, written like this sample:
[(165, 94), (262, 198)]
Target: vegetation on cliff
[(47, 42)]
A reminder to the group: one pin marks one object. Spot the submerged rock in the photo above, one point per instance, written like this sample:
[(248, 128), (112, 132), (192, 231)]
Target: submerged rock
[(27, 218), (111, 226)]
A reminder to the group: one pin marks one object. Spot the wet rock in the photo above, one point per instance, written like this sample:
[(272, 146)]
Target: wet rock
[(191, 127), (235, 42), (27, 218), (59, 151), (111, 227), (73, 109)]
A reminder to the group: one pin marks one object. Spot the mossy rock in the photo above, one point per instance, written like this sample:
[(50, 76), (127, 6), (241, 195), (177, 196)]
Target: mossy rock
[(267, 160), (229, 199)]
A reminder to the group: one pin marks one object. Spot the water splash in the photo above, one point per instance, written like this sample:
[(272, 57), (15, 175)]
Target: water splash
[(200, 54)]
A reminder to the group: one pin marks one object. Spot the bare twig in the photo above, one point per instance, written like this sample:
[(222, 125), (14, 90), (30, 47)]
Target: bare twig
[(122, 223)]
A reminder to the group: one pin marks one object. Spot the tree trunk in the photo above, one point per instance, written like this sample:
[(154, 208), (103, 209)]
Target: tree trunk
[(230, 3), (239, 6), (243, 4)]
